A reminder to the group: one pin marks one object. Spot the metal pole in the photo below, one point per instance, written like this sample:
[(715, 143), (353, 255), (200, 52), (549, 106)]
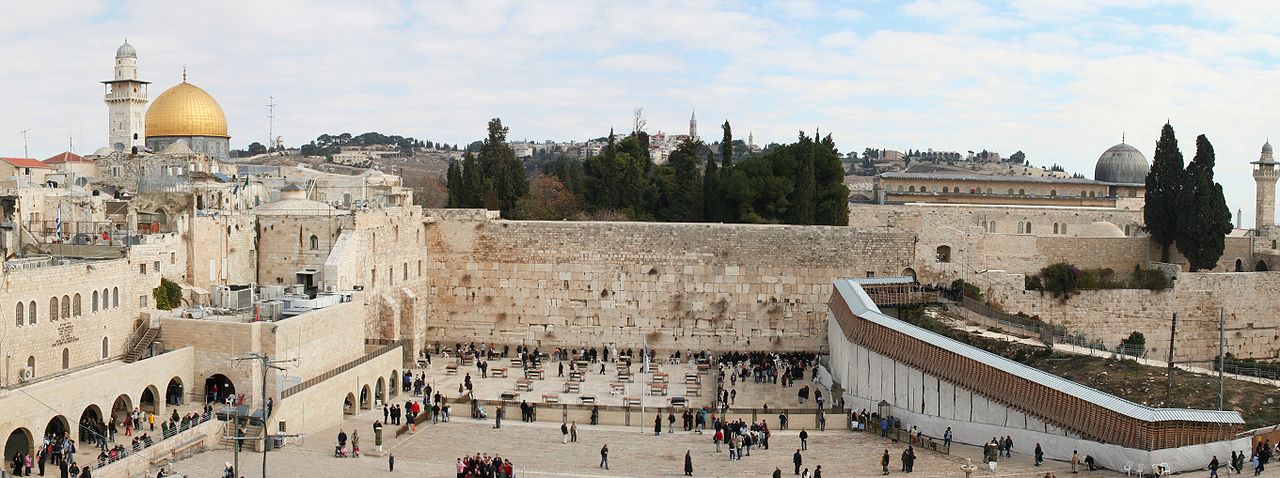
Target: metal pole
[(1173, 330), (1222, 345), (266, 364), (235, 426)]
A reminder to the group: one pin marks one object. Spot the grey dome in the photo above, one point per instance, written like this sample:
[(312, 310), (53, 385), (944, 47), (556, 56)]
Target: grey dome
[(1266, 148), (126, 51), (1121, 164)]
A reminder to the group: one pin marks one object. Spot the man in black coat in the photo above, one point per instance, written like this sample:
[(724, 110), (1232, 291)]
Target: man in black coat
[(797, 460), (688, 463)]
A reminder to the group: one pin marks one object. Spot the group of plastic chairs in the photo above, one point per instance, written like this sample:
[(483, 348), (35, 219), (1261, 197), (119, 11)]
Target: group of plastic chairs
[(1137, 469)]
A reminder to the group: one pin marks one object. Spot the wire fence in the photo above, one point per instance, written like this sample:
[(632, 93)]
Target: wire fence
[(1268, 370)]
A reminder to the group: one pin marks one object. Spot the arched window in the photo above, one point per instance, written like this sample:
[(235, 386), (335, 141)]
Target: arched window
[(900, 188), (94, 303), (1022, 192), (1020, 227), (106, 299), (912, 189), (19, 313), (1092, 194), (924, 189), (104, 347), (944, 189), (1028, 227), (1127, 230), (66, 358), (115, 297), (31, 313), (75, 305), (1055, 228), (1082, 193), (53, 308), (1010, 191), (31, 365), (1053, 192), (315, 242), (66, 307), (993, 226), (988, 190), (944, 254), (1064, 229)]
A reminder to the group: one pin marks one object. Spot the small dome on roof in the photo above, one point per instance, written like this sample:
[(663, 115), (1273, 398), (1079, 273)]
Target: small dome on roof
[(1121, 164), (1101, 229), (103, 151), (1266, 148), (126, 51)]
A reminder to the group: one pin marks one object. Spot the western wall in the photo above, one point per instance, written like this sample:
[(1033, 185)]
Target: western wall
[(674, 285)]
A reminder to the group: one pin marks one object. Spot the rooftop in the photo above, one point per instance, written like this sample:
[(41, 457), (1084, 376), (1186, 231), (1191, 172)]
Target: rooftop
[(998, 178)]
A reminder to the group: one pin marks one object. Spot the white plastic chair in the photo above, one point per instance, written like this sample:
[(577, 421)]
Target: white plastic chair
[(1128, 468), (1138, 469)]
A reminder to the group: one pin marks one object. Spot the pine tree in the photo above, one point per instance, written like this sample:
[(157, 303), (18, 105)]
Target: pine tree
[(454, 185), (711, 191), (802, 197), (1204, 219), (504, 179), (472, 194), (1165, 183), (685, 198)]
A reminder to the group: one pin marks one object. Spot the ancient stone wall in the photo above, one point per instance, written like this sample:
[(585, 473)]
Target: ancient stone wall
[(673, 285)]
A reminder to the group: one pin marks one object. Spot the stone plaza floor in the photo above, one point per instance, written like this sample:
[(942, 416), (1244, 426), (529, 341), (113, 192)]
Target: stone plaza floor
[(536, 450)]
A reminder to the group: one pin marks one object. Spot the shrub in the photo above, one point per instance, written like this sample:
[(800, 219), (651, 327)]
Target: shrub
[(1032, 283), (1135, 344), (959, 286), (168, 295), (1061, 279), (1149, 279)]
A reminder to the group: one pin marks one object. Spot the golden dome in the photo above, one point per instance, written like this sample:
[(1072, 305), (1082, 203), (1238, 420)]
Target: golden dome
[(185, 110)]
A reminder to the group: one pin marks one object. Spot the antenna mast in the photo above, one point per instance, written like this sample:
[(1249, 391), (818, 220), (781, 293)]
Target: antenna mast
[(25, 154), (271, 122)]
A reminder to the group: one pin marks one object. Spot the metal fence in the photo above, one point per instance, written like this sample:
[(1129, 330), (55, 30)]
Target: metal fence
[(1031, 326), (342, 368)]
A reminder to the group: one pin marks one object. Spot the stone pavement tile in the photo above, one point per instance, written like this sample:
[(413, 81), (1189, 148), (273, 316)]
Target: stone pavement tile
[(634, 451)]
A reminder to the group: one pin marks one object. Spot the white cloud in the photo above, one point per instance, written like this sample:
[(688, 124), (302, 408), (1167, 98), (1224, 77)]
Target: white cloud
[(651, 62)]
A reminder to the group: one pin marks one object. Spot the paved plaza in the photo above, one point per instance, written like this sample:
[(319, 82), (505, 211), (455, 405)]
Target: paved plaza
[(634, 451)]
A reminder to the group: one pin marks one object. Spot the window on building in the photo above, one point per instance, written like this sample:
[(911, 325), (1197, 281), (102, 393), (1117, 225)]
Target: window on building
[(944, 189), (75, 305), (66, 358), (1083, 193), (142, 268), (115, 297), (19, 313), (1010, 191), (93, 305), (988, 190), (1028, 227), (1053, 192), (404, 269), (911, 190), (142, 300), (1022, 192), (944, 254), (924, 189), (66, 307), (1064, 229), (53, 308), (105, 348), (31, 365), (31, 313), (155, 266), (315, 243), (1055, 228), (173, 258), (419, 268)]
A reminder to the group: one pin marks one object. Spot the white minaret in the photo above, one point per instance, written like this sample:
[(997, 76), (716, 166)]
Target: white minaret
[(693, 126), (126, 98)]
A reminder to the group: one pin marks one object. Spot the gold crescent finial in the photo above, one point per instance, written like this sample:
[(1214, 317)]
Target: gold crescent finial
[(184, 73)]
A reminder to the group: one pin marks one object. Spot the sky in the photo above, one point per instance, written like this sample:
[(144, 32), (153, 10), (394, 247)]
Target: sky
[(1060, 80)]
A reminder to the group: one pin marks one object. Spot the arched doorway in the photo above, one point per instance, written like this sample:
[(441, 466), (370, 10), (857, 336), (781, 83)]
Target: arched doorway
[(90, 419), (218, 387), (121, 408), (173, 393), (392, 388), (1260, 267), (943, 254), (380, 391), (366, 399), (909, 272), (19, 441), (1239, 265), (57, 428), (149, 401), (349, 404)]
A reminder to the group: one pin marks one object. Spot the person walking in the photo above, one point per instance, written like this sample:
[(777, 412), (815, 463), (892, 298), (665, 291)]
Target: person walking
[(688, 463), (391, 462), (946, 437), (817, 471), (497, 416), (717, 438), (804, 439), (884, 463), (564, 433), (604, 456), (797, 460), (671, 422), (573, 432), (1213, 467), (657, 424), (1075, 461), (777, 472), (1039, 455)]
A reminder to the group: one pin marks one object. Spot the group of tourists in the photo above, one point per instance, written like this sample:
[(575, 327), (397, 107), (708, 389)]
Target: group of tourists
[(57, 450), (484, 466)]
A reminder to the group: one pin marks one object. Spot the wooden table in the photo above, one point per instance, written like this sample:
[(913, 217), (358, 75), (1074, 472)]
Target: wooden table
[(631, 401), (692, 378), (588, 399), (660, 377), (509, 395), (577, 376), (616, 388), (534, 374), (517, 363), (624, 376), (657, 389), (524, 384), (582, 364), (679, 402), (572, 387), (451, 369), (695, 390), (550, 398), (499, 372)]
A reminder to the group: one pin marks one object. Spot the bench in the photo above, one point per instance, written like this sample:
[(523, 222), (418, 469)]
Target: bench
[(577, 376), (582, 364), (536, 374), (657, 389), (517, 363), (572, 387), (660, 377), (550, 398), (691, 378), (451, 369), (679, 402), (616, 388), (524, 384), (703, 366), (624, 376), (631, 401), (468, 360), (588, 399), (694, 390), (509, 395), (500, 372)]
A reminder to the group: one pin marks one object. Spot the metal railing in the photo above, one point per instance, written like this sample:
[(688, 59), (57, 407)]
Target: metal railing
[(1033, 326), (122, 451), (342, 368)]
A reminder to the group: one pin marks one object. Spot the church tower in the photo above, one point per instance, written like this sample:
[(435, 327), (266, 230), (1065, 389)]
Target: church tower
[(693, 126), (126, 98), (1265, 175)]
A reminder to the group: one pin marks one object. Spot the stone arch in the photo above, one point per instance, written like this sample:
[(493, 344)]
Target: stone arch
[(31, 365), (217, 387), (380, 391), (106, 298), (19, 441), (1261, 266), (174, 392), (90, 417), (366, 397), (53, 308), (1055, 228), (149, 401), (121, 407), (115, 297), (106, 348), (909, 272), (943, 253), (66, 307), (349, 404), (57, 427), (1239, 265)]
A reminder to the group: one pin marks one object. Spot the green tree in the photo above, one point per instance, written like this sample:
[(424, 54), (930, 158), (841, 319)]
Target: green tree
[(1203, 218), (1018, 157), (256, 148), (802, 197), (168, 295), (831, 203), (1165, 182), (684, 199), (504, 178), (548, 200), (454, 185), (472, 193)]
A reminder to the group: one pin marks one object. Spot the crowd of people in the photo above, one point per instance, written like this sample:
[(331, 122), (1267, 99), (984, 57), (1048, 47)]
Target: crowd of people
[(485, 466)]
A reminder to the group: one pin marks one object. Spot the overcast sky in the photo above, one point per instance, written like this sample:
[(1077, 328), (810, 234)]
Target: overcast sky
[(1061, 80)]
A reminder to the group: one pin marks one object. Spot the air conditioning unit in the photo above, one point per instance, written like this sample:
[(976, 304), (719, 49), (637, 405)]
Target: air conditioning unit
[(27, 374), (330, 288)]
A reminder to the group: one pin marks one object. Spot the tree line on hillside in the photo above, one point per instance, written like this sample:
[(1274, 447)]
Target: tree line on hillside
[(330, 144), (1184, 205), (796, 183)]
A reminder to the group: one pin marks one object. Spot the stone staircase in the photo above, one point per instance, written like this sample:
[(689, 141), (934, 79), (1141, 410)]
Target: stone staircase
[(141, 346), (250, 430)]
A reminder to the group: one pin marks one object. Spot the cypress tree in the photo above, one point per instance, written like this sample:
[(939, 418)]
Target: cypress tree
[(454, 185), (802, 197), (1165, 182), (1204, 219)]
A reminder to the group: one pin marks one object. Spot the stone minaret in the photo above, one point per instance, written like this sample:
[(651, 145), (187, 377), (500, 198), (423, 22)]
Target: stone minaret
[(693, 125), (126, 98), (1265, 174)]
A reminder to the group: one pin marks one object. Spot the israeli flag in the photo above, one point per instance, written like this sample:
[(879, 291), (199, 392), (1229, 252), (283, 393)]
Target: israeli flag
[(57, 223)]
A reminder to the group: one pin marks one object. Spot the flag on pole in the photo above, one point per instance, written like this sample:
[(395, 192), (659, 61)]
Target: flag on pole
[(57, 224), (645, 368)]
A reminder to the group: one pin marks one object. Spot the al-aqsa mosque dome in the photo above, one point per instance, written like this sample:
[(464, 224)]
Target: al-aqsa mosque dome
[(189, 114), (1122, 164)]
